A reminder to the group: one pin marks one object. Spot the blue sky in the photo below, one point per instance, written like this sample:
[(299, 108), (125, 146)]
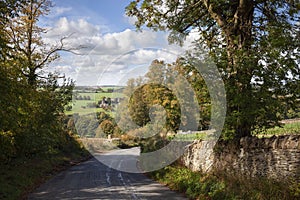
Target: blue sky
[(107, 12), (113, 51)]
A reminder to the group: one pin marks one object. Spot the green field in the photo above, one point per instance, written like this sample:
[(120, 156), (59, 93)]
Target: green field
[(80, 106), (77, 108), (98, 96)]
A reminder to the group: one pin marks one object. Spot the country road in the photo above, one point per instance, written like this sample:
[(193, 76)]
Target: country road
[(94, 180)]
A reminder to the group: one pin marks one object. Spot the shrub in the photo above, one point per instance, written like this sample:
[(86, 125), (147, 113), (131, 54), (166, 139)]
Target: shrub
[(7, 147)]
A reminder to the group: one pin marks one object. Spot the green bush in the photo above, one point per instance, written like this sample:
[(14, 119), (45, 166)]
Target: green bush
[(7, 147)]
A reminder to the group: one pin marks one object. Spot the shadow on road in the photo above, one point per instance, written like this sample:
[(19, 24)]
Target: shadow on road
[(94, 180)]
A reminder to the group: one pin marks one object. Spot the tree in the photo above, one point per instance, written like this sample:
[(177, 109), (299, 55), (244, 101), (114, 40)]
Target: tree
[(255, 45), (101, 116), (162, 87), (160, 91), (32, 119), (9, 86), (6, 12), (139, 108), (198, 85), (25, 39), (107, 127)]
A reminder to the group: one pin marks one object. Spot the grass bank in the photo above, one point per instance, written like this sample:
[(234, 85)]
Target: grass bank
[(218, 186), (287, 128), (23, 175)]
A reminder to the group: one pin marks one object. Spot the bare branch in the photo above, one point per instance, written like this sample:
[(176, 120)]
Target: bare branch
[(61, 47)]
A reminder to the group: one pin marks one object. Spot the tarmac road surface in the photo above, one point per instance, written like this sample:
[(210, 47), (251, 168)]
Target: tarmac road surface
[(94, 180)]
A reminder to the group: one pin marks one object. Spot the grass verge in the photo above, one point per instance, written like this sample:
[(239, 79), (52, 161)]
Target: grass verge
[(218, 186), (292, 128), (288, 128), (22, 176)]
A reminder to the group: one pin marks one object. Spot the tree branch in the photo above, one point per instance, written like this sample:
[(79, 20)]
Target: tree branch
[(214, 14), (57, 49)]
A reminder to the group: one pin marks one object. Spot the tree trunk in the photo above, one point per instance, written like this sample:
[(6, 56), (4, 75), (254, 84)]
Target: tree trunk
[(239, 40), (32, 78)]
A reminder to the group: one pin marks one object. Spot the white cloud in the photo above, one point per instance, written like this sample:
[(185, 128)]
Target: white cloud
[(65, 27), (58, 11), (107, 55)]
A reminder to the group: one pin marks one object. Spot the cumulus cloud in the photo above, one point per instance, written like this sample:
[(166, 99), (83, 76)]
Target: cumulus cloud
[(107, 55), (66, 27)]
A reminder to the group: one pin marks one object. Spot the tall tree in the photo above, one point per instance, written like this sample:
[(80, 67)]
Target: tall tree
[(255, 45), (25, 39), (32, 108)]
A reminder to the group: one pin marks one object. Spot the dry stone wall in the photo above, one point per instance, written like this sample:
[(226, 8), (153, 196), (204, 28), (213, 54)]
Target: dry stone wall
[(275, 157)]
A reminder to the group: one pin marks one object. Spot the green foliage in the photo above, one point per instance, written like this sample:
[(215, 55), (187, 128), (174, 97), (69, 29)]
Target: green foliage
[(190, 72), (158, 106), (149, 95), (295, 189), (152, 144), (254, 45), (164, 86), (7, 148), (32, 120), (101, 116), (98, 125), (292, 113), (128, 141), (194, 184), (107, 126), (86, 125)]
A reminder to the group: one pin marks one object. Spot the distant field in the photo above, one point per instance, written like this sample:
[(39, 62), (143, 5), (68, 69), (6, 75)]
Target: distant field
[(77, 105), (77, 108), (98, 96)]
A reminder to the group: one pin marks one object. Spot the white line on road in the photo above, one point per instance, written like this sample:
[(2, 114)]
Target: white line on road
[(128, 187)]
